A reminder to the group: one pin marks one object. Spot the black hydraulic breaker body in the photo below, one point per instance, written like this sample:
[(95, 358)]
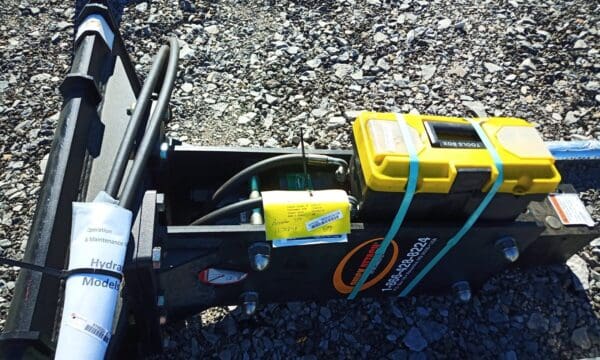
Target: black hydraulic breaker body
[(168, 265)]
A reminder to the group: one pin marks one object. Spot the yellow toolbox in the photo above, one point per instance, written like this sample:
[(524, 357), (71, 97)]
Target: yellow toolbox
[(455, 168)]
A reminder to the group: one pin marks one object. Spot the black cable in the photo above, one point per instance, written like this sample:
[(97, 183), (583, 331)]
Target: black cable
[(241, 206), (61, 274), (148, 141), (273, 162), (230, 209), (137, 118)]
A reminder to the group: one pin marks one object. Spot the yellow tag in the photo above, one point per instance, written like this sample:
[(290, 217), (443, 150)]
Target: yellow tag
[(297, 214)]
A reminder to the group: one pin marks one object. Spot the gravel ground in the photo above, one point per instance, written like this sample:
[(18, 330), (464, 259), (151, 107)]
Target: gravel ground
[(252, 72)]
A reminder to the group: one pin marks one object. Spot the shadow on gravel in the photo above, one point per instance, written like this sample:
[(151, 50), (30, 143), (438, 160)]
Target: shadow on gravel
[(528, 314)]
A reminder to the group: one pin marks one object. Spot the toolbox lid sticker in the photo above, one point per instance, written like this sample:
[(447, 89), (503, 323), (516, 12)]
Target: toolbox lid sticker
[(354, 264)]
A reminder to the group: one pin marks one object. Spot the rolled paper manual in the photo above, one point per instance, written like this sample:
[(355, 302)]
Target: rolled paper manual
[(99, 234)]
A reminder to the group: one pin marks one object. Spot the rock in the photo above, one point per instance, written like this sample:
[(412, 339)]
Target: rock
[(3, 86), (527, 64), (444, 24), (476, 107), (270, 99), (497, 317), (581, 272), (142, 7), (414, 340), (212, 29), (40, 77), (4, 243), (571, 118), (457, 70), (538, 322), (463, 26), (383, 64), (185, 52), (187, 87), (342, 70), (271, 143), (580, 44), (63, 25), (592, 86), (491, 67), (581, 338), (319, 113), (336, 122), (244, 141), (380, 37), (292, 50), (357, 75), (351, 114), (246, 118), (314, 63), (432, 330), (325, 312), (368, 63), (427, 71)]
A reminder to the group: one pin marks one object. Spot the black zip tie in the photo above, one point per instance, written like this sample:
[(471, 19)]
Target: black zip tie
[(61, 274)]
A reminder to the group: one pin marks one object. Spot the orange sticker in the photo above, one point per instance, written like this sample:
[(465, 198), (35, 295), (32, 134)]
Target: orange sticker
[(354, 264)]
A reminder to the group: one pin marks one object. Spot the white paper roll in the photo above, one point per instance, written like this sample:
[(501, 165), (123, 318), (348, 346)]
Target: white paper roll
[(99, 235)]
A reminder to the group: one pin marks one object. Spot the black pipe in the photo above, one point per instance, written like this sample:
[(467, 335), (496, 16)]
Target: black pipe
[(273, 162), (230, 209), (149, 140), (137, 118)]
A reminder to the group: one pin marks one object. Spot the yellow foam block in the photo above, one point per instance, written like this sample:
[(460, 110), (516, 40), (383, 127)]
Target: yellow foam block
[(300, 214)]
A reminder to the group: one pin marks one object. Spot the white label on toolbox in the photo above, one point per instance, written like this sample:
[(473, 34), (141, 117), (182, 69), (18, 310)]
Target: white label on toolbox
[(324, 220), (570, 209), (310, 241)]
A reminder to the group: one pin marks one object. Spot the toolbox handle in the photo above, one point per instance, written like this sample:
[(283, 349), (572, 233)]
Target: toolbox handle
[(452, 135)]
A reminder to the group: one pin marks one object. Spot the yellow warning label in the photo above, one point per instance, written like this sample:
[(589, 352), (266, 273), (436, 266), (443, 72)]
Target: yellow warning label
[(298, 214)]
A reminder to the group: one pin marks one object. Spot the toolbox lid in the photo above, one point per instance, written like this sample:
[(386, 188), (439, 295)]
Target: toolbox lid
[(447, 146)]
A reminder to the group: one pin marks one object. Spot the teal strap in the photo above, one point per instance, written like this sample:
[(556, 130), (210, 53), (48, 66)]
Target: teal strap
[(474, 216), (411, 187)]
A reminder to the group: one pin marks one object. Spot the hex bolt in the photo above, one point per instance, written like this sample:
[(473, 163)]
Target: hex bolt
[(462, 290), (260, 256), (156, 255), (249, 302), (509, 248)]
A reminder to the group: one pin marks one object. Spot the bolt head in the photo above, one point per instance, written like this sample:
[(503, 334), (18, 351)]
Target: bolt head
[(261, 262), (249, 307), (511, 253)]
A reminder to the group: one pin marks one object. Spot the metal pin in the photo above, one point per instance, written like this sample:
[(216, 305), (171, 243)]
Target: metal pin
[(260, 256), (509, 248), (463, 290), (164, 150), (249, 302)]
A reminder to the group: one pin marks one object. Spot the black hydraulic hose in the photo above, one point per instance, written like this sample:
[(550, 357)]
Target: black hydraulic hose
[(137, 118), (238, 207), (149, 138), (230, 209), (273, 162)]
